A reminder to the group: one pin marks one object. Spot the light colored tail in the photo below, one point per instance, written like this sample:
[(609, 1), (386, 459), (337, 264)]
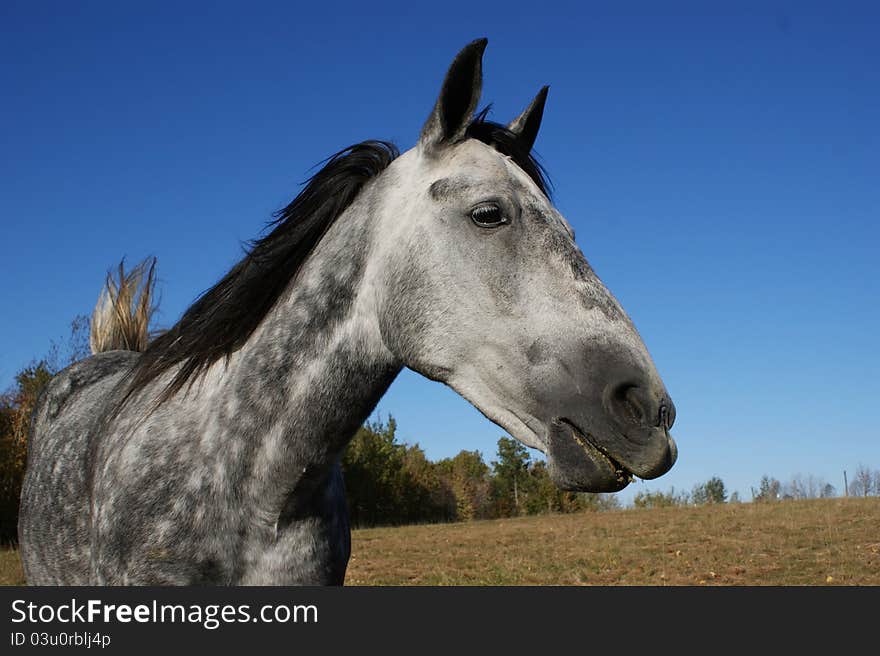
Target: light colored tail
[(121, 319)]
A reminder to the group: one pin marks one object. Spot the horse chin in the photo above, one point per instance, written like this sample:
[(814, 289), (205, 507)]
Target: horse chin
[(577, 463)]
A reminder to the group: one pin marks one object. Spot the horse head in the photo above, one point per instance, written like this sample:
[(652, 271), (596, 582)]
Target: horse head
[(484, 288)]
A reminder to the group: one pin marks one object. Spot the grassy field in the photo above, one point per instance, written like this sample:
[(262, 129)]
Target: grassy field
[(820, 542), (10, 568)]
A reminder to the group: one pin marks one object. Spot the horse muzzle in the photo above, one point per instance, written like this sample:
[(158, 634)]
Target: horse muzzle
[(623, 435)]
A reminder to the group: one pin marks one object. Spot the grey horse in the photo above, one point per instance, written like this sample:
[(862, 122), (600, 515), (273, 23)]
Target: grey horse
[(212, 457)]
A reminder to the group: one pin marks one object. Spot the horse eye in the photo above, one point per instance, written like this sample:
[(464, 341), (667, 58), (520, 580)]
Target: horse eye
[(488, 216)]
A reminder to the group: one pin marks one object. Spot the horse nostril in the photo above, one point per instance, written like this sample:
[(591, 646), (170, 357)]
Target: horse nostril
[(635, 405), (627, 404), (667, 414)]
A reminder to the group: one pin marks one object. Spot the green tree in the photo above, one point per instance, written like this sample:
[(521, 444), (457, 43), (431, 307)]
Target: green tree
[(712, 491), (544, 496), (388, 483), (428, 495), (469, 480), (371, 466), (541, 495), (768, 490), (510, 482), (658, 499)]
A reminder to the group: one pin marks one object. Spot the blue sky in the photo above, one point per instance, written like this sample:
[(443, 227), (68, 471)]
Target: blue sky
[(719, 162)]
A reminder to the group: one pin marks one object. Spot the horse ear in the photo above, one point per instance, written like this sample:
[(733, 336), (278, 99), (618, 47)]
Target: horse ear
[(527, 124), (458, 97)]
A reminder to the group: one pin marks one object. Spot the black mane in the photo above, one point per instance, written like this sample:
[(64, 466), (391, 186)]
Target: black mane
[(225, 316)]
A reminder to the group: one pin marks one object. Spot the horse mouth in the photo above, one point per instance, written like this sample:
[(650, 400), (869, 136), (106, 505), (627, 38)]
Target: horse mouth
[(598, 453)]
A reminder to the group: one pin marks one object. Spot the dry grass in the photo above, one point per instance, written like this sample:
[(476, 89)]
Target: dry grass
[(10, 568), (821, 542)]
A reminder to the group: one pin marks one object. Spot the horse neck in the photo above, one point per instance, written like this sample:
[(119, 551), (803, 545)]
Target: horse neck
[(311, 373)]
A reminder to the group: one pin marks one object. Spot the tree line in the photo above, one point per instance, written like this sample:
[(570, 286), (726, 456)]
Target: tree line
[(865, 483), (712, 491), (390, 483)]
